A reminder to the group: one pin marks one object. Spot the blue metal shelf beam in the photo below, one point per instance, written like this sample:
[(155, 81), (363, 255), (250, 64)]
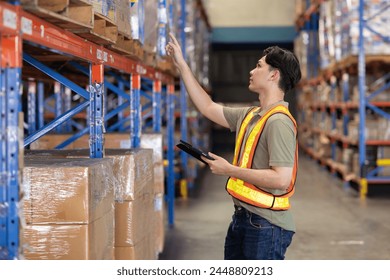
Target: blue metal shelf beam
[(31, 99), (170, 116)]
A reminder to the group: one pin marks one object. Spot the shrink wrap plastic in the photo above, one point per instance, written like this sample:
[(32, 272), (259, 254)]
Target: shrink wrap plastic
[(68, 207)]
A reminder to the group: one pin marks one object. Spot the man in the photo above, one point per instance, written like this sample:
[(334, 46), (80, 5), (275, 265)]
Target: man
[(262, 175)]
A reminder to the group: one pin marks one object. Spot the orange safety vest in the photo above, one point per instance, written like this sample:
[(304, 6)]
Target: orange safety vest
[(245, 191)]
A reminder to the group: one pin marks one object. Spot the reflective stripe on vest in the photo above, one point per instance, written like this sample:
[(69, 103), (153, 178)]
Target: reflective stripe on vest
[(245, 191)]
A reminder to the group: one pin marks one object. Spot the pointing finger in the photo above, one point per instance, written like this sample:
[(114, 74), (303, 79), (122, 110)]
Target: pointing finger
[(173, 38)]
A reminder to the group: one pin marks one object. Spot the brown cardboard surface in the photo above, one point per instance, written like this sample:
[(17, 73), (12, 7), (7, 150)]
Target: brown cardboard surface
[(133, 220), (67, 190), (94, 241), (143, 250), (50, 141), (155, 141), (159, 233), (131, 168)]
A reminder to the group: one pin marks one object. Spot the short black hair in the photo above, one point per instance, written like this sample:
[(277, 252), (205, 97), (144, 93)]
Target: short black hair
[(287, 64)]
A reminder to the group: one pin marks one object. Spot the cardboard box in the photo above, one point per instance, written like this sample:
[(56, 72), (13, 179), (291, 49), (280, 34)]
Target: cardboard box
[(132, 169), (133, 220), (143, 250), (50, 141), (159, 234), (67, 190), (123, 17), (155, 141), (94, 241)]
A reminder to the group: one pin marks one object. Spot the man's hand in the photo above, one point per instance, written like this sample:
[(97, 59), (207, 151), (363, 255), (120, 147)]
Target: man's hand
[(219, 165), (174, 50)]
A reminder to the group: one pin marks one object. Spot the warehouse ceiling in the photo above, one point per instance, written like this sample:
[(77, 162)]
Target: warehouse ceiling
[(251, 21)]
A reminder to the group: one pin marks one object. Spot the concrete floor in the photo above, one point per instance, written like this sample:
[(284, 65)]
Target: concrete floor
[(332, 222)]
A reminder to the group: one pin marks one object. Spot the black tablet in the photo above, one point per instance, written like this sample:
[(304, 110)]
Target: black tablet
[(196, 153)]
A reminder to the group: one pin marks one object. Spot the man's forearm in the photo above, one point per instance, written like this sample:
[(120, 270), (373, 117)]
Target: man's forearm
[(198, 95), (262, 178)]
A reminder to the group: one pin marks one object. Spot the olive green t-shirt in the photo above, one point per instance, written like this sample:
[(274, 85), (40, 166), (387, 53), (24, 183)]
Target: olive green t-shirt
[(276, 147)]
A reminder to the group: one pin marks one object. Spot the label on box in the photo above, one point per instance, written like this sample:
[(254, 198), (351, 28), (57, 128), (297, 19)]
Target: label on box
[(158, 203)]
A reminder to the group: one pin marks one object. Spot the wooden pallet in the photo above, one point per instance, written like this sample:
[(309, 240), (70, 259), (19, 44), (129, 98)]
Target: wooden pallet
[(104, 31), (67, 14), (128, 47), (165, 64), (150, 58)]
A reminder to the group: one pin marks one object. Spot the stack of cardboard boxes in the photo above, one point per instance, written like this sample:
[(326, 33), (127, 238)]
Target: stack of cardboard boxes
[(138, 187), (68, 209)]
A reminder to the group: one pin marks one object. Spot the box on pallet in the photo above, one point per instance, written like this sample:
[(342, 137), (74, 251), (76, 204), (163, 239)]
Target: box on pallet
[(131, 168), (143, 250), (137, 20), (67, 190), (93, 241), (134, 220), (68, 207), (106, 8)]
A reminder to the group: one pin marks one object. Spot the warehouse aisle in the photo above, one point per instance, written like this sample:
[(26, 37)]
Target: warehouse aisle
[(332, 222)]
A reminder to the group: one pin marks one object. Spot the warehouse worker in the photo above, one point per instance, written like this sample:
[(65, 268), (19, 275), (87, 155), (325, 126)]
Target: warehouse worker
[(262, 175)]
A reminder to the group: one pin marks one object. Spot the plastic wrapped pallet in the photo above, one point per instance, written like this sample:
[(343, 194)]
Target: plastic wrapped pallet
[(159, 236), (68, 207), (106, 8), (137, 20), (326, 37), (379, 21), (155, 141), (50, 141), (151, 26), (143, 250), (301, 45), (134, 220), (67, 190), (132, 169), (93, 241), (123, 17)]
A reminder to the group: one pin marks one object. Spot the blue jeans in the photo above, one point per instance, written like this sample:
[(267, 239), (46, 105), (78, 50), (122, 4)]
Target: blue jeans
[(251, 237)]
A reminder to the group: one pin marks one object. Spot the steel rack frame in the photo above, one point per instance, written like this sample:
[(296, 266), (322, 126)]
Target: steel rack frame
[(368, 173), (16, 26), (364, 104)]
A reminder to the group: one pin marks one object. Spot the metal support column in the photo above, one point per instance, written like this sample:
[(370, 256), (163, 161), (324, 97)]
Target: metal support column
[(135, 111), (32, 101), (96, 111), (67, 95), (362, 103), (333, 115), (157, 120), (183, 97), (10, 76), (121, 86), (41, 105), (58, 103), (170, 153)]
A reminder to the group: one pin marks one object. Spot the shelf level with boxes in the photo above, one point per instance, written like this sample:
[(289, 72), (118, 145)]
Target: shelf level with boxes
[(344, 110), (59, 54)]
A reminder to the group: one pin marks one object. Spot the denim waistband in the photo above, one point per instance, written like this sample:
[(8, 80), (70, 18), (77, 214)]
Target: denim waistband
[(240, 210)]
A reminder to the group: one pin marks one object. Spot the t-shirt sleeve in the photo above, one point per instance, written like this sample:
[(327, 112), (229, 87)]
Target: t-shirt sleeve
[(234, 116), (281, 141)]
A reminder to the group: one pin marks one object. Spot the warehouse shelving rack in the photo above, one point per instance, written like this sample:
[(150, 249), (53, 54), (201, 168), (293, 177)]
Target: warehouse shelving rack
[(17, 26), (189, 171), (339, 73)]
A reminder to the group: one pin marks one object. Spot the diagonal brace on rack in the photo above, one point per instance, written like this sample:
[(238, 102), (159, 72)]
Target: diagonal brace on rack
[(53, 124), (378, 111), (378, 91), (58, 77)]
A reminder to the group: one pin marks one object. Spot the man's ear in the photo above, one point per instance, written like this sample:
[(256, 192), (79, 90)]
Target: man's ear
[(275, 74)]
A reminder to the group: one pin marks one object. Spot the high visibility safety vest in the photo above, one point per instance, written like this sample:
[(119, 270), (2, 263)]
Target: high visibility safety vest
[(245, 191)]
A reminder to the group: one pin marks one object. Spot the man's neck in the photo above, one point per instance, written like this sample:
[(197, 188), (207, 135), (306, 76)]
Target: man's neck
[(267, 100)]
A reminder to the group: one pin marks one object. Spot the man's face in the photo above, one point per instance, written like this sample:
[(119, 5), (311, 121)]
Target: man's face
[(259, 76)]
